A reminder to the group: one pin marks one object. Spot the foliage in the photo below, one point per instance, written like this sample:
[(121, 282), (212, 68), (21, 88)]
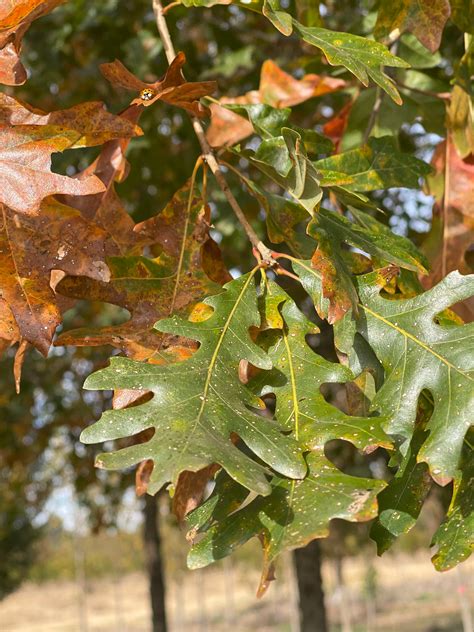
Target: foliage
[(227, 381)]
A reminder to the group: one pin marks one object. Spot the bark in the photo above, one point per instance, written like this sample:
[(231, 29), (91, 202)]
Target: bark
[(152, 546), (312, 611)]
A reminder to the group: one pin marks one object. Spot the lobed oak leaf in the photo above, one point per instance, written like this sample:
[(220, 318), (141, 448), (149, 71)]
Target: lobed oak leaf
[(210, 408), (31, 247), (90, 121), (172, 88), (15, 19), (362, 57), (295, 512), (151, 288)]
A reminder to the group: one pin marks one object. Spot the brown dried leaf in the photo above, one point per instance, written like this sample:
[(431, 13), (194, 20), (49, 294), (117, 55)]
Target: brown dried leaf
[(18, 363), (31, 247), (15, 19), (172, 88), (142, 476), (105, 208), (190, 490), (90, 121), (151, 289), (25, 157)]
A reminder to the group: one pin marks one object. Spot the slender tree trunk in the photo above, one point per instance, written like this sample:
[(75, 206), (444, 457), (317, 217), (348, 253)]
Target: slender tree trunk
[(310, 586), (152, 546)]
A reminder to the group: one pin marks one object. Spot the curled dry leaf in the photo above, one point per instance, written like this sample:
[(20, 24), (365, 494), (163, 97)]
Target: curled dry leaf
[(277, 89), (15, 19), (172, 88), (31, 247)]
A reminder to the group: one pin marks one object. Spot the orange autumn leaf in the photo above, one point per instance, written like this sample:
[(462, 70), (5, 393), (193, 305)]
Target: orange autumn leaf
[(280, 90)]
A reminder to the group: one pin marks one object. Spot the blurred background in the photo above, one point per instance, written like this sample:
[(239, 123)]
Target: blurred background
[(75, 542)]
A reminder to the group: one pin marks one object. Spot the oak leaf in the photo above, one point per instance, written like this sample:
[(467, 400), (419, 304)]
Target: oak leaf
[(295, 512), (209, 408), (151, 289), (172, 88), (31, 247)]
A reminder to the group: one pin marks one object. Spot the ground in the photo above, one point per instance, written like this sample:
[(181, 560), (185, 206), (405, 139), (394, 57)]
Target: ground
[(410, 596)]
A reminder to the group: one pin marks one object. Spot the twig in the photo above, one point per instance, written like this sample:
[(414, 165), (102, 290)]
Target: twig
[(207, 153), (445, 96), (373, 115)]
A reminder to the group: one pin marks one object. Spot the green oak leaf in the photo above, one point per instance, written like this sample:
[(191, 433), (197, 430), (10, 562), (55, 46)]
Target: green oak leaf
[(376, 165), (455, 536), (296, 377), (417, 354), (198, 403), (361, 56), (296, 512), (375, 238)]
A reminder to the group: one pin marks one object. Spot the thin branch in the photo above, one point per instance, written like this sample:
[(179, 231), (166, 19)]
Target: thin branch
[(445, 96), (207, 152), (373, 115)]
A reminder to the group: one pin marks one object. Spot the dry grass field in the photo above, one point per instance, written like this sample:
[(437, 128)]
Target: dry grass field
[(410, 596)]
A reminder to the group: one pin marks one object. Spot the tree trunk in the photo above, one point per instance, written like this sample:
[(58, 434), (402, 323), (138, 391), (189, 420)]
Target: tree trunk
[(152, 546), (310, 587)]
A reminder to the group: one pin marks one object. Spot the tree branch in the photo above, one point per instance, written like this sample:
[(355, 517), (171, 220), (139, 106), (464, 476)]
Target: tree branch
[(207, 152)]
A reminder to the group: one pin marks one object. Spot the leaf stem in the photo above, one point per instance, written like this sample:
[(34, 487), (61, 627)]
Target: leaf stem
[(207, 152), (445, 96)]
